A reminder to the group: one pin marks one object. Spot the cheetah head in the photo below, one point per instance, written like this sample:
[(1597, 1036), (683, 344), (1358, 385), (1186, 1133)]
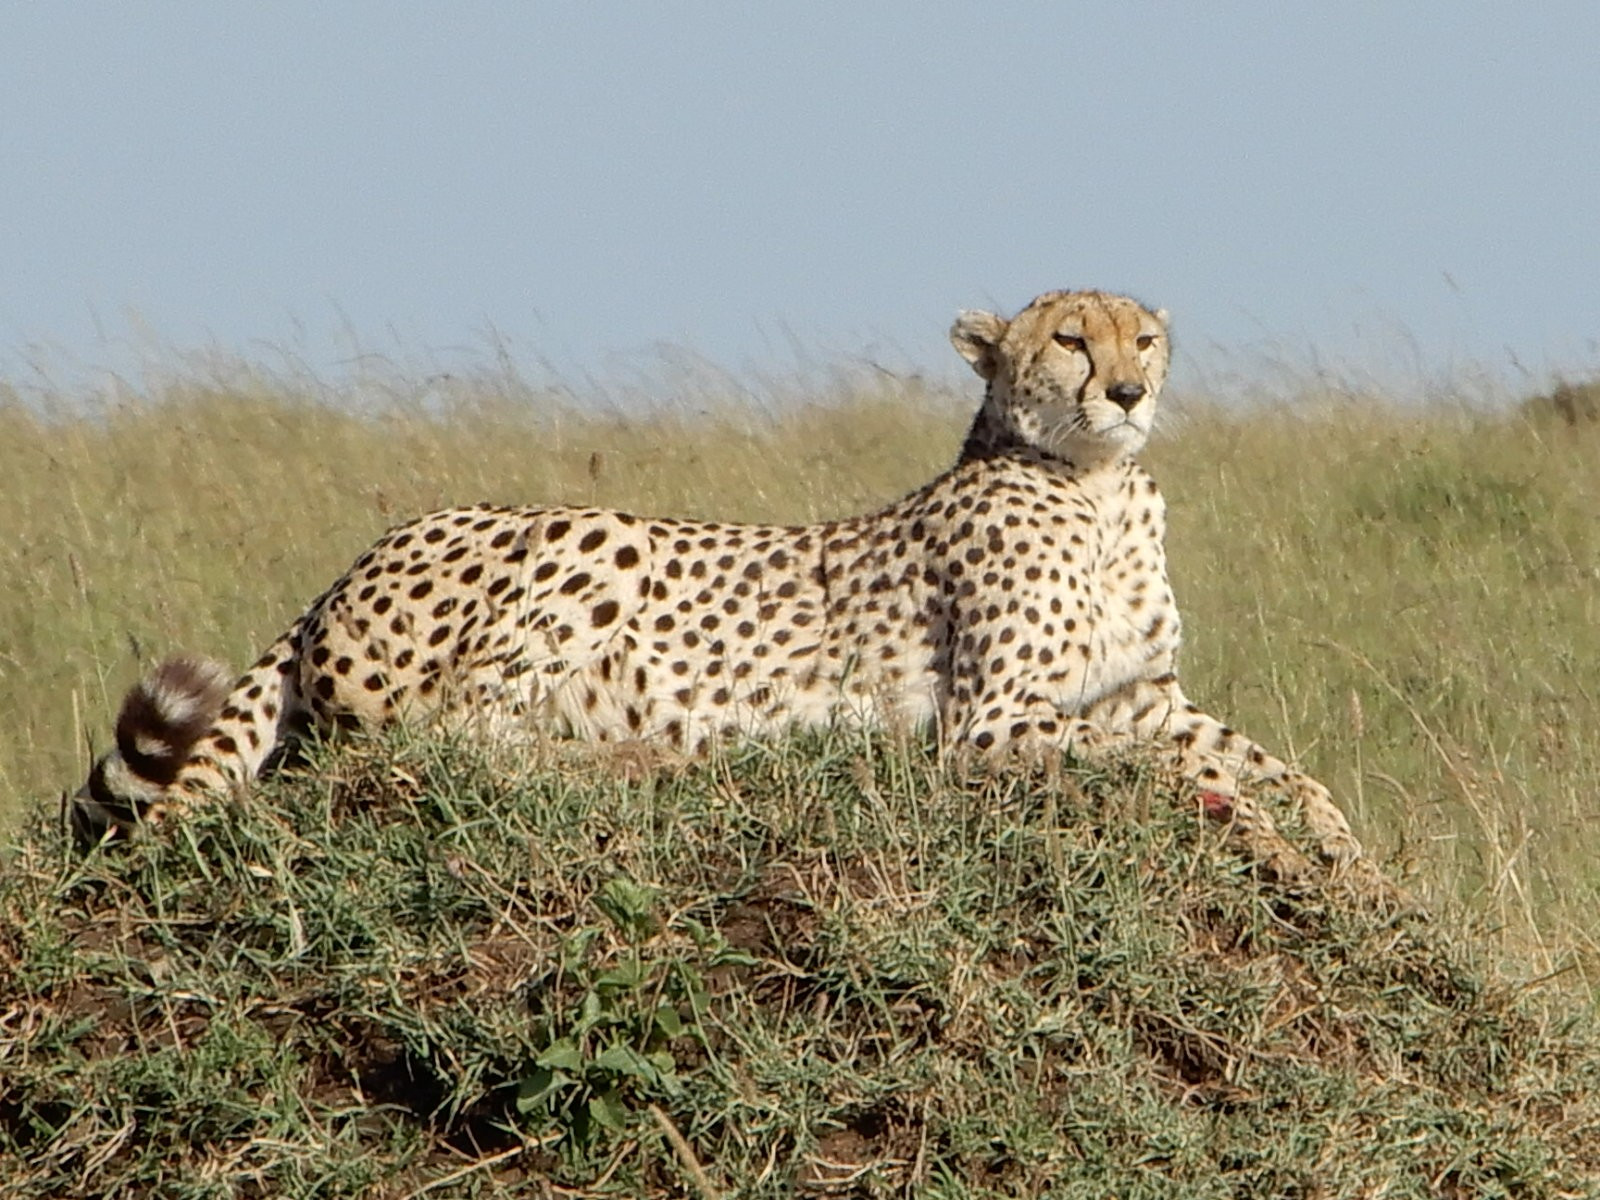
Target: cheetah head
[(1075, 374)]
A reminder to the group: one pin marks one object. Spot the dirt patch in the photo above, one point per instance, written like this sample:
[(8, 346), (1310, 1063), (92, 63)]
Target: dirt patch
[(873, 1147)]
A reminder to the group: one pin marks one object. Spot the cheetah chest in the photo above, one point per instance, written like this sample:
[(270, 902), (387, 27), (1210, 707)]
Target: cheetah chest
[(1061, 591)]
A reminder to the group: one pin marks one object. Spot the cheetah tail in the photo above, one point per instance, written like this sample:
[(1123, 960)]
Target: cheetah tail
[(162, 717), (167, 712)]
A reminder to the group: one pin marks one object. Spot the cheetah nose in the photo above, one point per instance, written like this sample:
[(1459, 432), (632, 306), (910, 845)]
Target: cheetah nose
[(1125, 395)]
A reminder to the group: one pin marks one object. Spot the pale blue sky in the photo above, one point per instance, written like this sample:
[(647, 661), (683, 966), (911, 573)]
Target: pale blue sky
[(1411, 182)]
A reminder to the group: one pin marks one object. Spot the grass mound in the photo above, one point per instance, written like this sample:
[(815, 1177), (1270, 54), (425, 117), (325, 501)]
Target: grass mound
[(831, 968)]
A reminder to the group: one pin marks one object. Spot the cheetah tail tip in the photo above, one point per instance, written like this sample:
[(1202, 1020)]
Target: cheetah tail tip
[(167, 712)]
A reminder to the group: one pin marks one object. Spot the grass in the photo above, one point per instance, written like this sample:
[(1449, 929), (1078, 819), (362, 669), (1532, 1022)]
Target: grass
[(203, 514), (829, 967), (1406, 598), (1414, 609)]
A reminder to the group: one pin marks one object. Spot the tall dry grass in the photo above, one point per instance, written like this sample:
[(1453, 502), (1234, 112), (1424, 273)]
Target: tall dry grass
[(1405, 599), (202, 511), (1410, 603)]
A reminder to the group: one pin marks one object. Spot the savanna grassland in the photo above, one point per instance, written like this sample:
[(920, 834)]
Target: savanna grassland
[(1404, 598), (832, 966)]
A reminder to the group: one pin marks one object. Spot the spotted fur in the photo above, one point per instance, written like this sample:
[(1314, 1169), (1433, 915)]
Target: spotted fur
[(162, 718), (1018, 602)]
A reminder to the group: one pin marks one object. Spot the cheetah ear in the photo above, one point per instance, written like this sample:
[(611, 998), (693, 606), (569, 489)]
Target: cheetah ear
[(1161, 315), (975, 335)]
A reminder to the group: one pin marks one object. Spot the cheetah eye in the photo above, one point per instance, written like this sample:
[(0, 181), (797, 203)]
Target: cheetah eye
[(1070, 341), (1144, 341)]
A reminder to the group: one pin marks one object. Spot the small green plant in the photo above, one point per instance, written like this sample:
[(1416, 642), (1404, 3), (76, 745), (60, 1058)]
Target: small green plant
[(609, 1022)]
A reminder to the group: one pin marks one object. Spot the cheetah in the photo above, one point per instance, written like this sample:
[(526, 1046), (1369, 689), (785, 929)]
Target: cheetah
[(1017, 603)]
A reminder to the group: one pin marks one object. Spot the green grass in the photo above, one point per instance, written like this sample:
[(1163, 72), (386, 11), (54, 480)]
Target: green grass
[(1411, 604), (1405, 598), (827, 968)]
